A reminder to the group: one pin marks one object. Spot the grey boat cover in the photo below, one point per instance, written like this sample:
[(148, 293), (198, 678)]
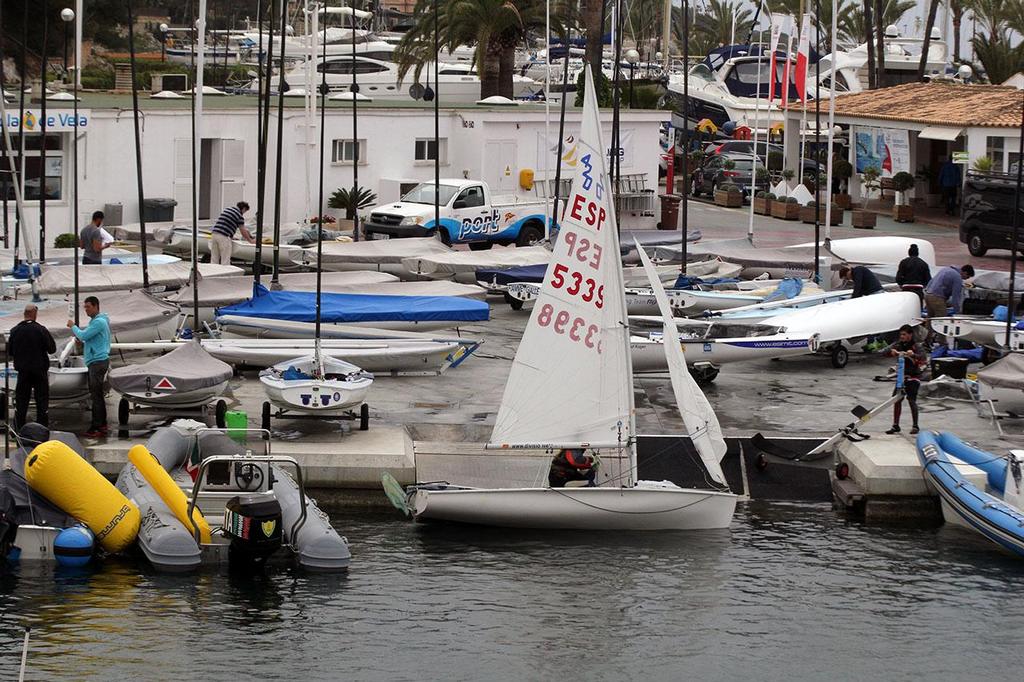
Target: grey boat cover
[(741, 252), (380, 251), (62, 256), (186, 368), (126, 310), (60, 279), (453, 262), (1007, 372), (222, 291), (997, 281)]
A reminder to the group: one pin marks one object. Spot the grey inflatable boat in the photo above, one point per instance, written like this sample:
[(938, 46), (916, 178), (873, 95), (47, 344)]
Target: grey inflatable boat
[(254, 507)]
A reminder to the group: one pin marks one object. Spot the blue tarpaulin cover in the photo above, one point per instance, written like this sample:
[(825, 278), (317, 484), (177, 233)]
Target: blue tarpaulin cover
[(300, 306), (525, 273), (788, 288)]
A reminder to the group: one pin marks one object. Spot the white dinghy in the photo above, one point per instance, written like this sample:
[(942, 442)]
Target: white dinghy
[(571, 387)]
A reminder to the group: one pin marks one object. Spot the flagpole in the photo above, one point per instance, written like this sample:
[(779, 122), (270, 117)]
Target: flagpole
[(785, 100), (753, 149), (831, 127)]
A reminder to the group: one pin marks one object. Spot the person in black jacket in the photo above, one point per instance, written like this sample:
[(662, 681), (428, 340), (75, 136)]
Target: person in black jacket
[(29, 345), (913, 273), (864, 281)]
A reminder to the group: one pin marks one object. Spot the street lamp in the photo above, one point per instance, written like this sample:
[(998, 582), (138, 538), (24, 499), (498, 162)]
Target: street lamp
[(67, 15), (632, 57), (164, 28)]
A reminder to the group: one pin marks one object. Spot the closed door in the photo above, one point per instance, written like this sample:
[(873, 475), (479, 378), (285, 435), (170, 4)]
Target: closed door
[(500, 167)]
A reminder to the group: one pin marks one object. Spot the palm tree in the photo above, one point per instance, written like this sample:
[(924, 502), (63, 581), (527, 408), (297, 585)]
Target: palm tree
[(715, 21), (993, 46), (933, 9)]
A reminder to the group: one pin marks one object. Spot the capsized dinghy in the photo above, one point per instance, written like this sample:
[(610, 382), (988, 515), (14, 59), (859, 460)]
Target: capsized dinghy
[(993, 510)]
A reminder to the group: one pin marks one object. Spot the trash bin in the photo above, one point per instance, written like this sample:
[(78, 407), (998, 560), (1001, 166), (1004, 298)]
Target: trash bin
[(669, 211), (954, 368), (158, 210)]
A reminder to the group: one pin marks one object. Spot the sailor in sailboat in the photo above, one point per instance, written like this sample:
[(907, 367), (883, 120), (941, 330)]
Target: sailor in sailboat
[(572, 464)]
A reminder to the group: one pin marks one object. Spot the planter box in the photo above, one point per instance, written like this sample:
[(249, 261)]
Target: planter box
[(729, 199), (807, 214), (842, 200), (902, 213), (762, 206), (786, 211), (864, 219)]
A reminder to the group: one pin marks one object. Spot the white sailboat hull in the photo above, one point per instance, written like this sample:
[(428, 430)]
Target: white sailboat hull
[(579, 508)]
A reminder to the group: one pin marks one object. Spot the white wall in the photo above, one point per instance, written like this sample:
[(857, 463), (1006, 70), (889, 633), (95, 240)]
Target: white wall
[(107, 160)]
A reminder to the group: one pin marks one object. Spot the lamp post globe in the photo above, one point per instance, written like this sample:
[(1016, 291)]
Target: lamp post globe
[(632, 57), (67, 15)]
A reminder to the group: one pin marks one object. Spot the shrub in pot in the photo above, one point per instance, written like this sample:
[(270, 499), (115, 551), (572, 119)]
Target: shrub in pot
[(787, 209), (842, 170), (762, 203), (729, 195), (902, 211)]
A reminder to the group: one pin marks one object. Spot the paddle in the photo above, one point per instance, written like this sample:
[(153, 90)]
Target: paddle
[(396, 493)]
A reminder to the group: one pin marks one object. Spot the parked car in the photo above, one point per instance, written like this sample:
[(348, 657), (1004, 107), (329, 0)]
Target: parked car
[(986, 219), (713, 172), (741, 147)]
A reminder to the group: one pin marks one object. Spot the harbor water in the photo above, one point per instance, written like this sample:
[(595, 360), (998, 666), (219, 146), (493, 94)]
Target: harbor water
[(789, 592)]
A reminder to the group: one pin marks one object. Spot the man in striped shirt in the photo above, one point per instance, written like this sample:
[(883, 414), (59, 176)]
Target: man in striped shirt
[(230, 220)]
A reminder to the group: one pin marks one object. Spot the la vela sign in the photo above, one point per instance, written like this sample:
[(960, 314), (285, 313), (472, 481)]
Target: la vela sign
[(56, 121)]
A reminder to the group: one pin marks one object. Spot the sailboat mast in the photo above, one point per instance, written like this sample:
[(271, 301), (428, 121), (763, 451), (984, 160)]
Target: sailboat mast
[(684, 203), (281, 85), (1011, 305), (264, 136), (817, 143), (547, 105), (354, 200), (757, 117), (437, 124), (561, 124), (138, 148), (42, 131), (320, 204), (831, 124)]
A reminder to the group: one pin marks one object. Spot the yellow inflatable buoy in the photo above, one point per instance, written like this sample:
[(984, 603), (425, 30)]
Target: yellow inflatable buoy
[(168, 491), (59, 474)]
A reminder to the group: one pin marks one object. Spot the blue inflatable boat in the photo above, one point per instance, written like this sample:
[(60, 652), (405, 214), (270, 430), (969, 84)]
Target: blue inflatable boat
[(993, 512)]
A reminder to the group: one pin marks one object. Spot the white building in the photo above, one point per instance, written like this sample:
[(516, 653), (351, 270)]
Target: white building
[(396, 148)]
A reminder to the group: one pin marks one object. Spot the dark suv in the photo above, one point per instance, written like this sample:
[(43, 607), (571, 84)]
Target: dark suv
[(712, 173), (986, 221)]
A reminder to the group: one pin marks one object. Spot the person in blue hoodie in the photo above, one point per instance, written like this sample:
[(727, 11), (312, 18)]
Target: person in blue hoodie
[(96, 339)]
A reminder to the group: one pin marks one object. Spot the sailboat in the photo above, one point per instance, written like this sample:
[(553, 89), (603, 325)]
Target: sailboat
[(571, 387)]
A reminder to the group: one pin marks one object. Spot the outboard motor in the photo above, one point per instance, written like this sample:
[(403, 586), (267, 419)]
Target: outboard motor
[(8, 526), (253, 522)]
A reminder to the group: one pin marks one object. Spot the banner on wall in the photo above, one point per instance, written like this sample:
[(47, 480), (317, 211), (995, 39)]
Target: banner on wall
[(887, 149), (548, 148)]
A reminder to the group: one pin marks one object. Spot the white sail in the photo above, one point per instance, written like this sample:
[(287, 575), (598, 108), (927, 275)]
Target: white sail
[(571, 380), (697, 413)]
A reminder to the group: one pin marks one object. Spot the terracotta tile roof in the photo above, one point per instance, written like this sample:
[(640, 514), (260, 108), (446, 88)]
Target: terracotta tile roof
[(940, 104)]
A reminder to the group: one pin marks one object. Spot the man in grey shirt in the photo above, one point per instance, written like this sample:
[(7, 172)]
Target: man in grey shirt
[(90, 238)]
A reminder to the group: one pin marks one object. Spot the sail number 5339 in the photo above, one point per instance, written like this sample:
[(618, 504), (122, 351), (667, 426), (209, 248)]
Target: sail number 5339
[(575, 284), (577, 329)]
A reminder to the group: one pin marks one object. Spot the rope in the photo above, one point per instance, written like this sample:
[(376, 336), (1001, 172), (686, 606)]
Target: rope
[(639, 513)]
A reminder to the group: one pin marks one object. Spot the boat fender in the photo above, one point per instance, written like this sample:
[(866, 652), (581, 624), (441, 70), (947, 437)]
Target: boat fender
[(74, 546), (59, 474), (169, 491)]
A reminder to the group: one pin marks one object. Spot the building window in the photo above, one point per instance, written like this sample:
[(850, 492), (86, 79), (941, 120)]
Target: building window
[(344, 151), (34, 166), (427, 149), (994, 151)]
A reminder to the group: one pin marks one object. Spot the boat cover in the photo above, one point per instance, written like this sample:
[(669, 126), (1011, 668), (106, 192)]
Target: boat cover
[(998, 281), (452, 262), (61, 256), (186, 368), (126, 310), (628, 239), (525, 273), (741, 252), (380, 251), (60, 279), (300, 306), (220, 291), (1007, 372)]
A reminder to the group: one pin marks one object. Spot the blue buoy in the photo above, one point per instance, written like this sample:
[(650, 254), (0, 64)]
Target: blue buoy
[(74, 546)]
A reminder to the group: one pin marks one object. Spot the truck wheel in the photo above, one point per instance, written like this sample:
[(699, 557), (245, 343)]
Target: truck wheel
[(480, 246), (364, 417), (528, 235), (975, 245), (442, 235), (220, 413), (265, 417), (123, 409)]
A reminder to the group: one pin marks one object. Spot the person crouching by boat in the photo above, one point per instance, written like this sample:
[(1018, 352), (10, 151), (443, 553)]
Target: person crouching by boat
[(572, 464), (230, 220), (865, 283), (96, 339), (914, 359)]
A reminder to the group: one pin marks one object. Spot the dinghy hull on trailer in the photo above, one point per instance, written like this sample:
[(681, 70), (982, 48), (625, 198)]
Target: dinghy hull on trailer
[(635, 509)]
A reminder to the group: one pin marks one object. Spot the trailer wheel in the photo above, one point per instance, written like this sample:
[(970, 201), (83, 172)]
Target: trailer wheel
[(123, 409), (840, 356), (265, 417), (514, 302), (219, 413), (364, 417)]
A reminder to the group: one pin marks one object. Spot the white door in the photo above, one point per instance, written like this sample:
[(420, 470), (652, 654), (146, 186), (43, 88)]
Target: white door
[(182, 191), (232, 172), (500, 167)]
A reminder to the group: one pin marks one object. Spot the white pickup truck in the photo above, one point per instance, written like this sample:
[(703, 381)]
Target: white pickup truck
[(469, 215)]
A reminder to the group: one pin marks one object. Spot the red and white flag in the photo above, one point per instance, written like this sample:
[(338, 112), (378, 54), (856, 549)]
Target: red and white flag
[(778, 26), (803, 56)]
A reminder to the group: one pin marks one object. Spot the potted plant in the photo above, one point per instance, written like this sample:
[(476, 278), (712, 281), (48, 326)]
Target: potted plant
[(842, 170), (926, 175), (729, 195), (762, 203), (902, 211), (345, 199), (68, 240), (984, 164), (787, 209), (810, 211), (863, 218)]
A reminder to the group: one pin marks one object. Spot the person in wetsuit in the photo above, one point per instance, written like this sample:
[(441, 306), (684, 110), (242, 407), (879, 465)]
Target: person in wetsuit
[(572, 464), (914, 359)]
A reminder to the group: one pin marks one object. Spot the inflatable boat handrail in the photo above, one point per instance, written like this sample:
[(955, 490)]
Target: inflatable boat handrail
[(271, 459)]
